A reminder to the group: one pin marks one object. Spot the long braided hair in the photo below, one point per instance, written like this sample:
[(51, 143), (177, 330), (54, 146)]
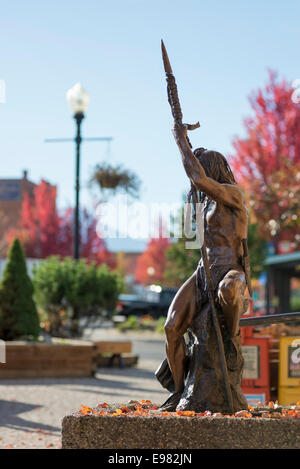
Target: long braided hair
[(216, 167)]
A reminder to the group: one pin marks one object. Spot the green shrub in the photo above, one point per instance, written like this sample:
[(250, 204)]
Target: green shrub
[(110, 285), (131, 323), (142, 324), (68, 291), (160, 324), (49, 291), (18, 313), (295, 304)]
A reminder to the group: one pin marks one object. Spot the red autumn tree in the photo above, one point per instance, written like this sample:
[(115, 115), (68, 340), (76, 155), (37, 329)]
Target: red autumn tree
[(39, 223), (152, 263), (66, 232), (266, 161), (44, 232), (93, 246)]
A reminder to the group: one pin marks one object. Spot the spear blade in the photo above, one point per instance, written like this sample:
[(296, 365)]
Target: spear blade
[(171, 86), (166, 61)]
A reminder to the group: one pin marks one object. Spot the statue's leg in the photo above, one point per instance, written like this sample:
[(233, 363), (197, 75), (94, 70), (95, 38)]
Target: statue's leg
[(231, 297), (180, 316)]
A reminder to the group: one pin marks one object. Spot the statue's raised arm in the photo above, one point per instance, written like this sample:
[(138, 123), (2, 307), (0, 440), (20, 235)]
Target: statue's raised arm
[(208, 171)]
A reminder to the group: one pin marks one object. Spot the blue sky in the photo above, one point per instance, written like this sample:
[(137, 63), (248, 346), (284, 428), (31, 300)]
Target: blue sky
[(219, 50)]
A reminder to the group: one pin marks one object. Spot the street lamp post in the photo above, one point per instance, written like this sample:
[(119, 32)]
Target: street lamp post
[(78, 99)]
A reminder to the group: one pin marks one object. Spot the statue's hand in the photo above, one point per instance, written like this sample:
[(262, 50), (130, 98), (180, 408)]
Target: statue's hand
[(180, 130)]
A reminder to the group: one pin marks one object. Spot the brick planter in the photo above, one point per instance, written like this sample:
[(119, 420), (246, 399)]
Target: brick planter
[(29, 360), (62, 358), (156, 432)]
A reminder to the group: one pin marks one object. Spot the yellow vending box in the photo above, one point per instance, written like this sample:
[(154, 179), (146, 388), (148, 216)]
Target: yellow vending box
[(289, 370)]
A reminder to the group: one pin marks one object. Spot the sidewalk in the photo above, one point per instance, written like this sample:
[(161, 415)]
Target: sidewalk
[(31, 410)]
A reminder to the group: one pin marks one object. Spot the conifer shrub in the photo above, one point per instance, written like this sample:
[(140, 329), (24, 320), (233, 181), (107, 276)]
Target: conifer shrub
[(18, 313)]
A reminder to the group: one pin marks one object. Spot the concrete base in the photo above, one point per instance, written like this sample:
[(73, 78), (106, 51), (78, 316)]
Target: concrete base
[(156, 432)]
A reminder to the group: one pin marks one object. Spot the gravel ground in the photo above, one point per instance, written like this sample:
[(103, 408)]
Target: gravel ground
[(31, 410)]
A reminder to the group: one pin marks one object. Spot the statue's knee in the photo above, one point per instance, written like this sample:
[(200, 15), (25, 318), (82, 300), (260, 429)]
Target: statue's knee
[(168, 329), (227, 292), (171, 331)]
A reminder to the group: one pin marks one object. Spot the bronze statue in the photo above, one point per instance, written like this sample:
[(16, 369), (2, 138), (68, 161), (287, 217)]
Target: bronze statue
[(205, 373)]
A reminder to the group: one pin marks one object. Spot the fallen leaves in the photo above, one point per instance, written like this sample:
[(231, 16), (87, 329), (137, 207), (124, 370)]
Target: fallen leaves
[(277, 415), (104, 405), (125, 409), (145, 408), (243, 414), (185, 413), (85, 410), (33, 438)]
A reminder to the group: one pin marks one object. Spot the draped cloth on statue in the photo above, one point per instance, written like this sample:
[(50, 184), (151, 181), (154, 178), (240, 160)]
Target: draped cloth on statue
[(204, 383)]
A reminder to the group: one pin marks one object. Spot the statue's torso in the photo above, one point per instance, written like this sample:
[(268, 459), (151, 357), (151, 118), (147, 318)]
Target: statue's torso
[(224, 229)]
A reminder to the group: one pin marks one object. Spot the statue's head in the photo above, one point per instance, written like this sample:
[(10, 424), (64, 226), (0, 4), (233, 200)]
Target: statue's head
[(215, 165)]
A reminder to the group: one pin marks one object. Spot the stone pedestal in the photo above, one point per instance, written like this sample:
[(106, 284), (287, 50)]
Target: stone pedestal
[(164, 432)]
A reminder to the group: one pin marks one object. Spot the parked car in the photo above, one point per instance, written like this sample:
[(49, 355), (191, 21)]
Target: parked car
[(155, 302)]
